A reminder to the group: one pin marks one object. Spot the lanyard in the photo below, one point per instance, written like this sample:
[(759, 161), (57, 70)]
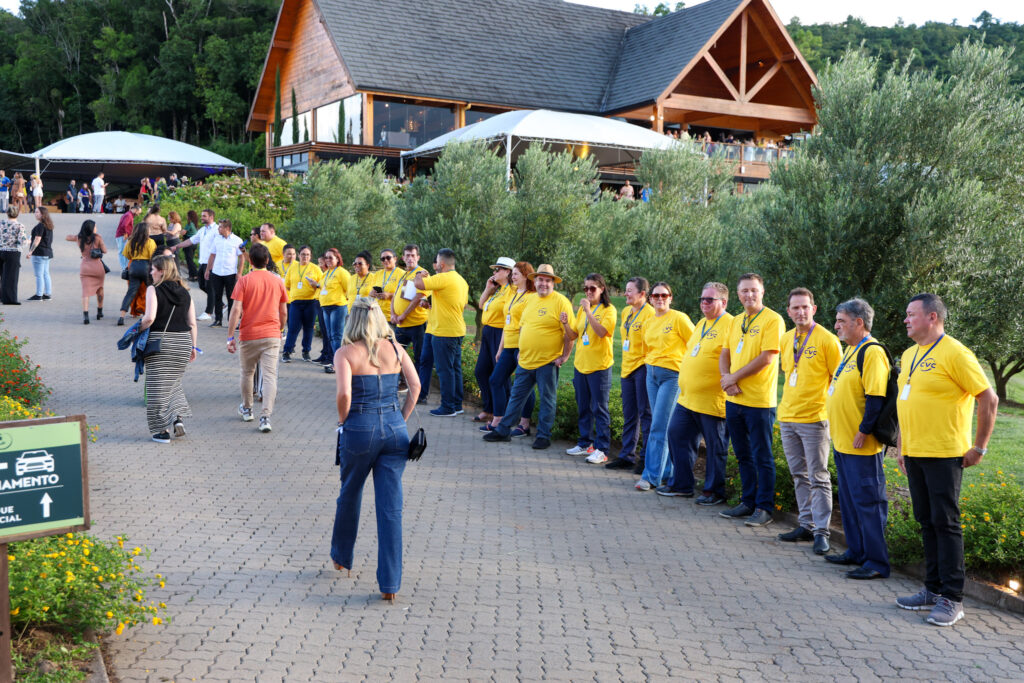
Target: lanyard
[(286, 268), (496, 293), (406, 276), (303, 271), (515, 298), (849, 355), (330, 274), (914, 363), (745, 325), (359, 285), (586, 320), (798, 354), (388, 279), (703, 332), (630, 319)]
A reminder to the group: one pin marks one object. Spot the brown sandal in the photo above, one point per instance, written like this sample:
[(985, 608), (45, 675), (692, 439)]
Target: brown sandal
[(340, 567), (389, 597)]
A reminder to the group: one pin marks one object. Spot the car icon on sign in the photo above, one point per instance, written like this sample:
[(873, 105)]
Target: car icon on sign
[(33, 461)]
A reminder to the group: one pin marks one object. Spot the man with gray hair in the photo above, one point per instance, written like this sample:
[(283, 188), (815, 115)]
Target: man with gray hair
[(939, 381), (856, 396)]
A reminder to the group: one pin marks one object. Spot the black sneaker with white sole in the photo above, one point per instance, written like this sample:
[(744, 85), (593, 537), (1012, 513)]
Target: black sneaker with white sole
[(162, 437)]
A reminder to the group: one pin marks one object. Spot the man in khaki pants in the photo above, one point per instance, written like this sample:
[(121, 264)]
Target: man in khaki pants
[(262, 296)]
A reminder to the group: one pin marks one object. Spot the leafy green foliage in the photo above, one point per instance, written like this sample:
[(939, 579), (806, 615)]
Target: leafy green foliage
[(19, 378), (247, 204)]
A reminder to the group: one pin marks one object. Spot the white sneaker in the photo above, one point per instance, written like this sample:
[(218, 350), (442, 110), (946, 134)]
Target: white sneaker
[(579, 450), (205, 316), (246, 413), (597, 458), (643, 485)]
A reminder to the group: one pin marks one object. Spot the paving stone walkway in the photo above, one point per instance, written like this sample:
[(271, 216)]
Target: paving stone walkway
[(519, 565)]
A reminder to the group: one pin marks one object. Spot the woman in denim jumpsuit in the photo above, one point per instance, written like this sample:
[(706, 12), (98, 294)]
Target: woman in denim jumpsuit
[(372, 437)]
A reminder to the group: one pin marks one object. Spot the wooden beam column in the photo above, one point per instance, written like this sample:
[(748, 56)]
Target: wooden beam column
[(659, 118), (368, 119), (743, 56)]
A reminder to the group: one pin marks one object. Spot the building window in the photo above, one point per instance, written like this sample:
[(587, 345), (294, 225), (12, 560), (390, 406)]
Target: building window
[(477, 115), (405, 125), (305, 133), (327, 121)]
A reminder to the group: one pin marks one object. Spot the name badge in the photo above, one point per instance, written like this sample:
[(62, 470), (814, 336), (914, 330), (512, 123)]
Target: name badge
[(508, 319), (625, 345), (792, 379), (831, 388), (739, 347), (409, 291), (487, 305), (586, 340), (323, 292), (905, 394), (696, 350), (299, 286)]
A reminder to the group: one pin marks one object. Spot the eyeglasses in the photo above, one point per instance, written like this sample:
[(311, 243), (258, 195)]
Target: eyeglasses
[(709, 299), (661, 295), (591, 288), (386, 258)]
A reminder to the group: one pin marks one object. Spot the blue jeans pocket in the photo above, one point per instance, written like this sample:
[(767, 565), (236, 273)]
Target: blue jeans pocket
[(354, 441)]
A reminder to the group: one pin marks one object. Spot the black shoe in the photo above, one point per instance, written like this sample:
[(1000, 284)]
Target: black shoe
[(120, 322), (797, 534), (820, 544), (286, 358), (12, 303), (305, 357), (844, 559), (495, 436), (540, 443), (35, 297), (638, 468), (329, 369), (162, 437), (46, 297), (216, 323), (670, 492), (99, 314), (85, 317), (709, 499), (864, 574), (619, 464)]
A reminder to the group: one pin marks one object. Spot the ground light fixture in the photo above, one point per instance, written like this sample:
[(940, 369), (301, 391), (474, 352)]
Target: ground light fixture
[(1014, 585)]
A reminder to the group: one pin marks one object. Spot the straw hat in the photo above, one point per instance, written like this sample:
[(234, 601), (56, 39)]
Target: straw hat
[(504, 262), (545, 269)]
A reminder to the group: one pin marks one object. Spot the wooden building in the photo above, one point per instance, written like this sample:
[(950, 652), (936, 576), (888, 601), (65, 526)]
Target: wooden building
[(375, 78)]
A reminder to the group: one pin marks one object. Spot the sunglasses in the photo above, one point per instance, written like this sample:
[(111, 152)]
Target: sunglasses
[(709, 299), (591, 288), (660, 295), (386, 258)]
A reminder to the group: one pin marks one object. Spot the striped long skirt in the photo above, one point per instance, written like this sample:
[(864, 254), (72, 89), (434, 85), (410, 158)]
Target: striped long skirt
[(165, 397)]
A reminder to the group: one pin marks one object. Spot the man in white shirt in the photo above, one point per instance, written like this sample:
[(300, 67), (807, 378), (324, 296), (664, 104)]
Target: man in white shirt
[(223, 268), (99, 190), (204, 238)]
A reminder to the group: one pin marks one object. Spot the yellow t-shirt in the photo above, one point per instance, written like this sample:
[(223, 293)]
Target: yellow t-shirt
[(541, 336), (594, 353), (804, 401), (494, 307), (700, 388), (404, 293), (450, 294), (360, 286), (276, 249), (145, 255), (284, 268), (846, 404), (298, 288), (388, 281), (763, 333), (334, 287), (665, 338), (513, 309), (634, 350), (935, 419)]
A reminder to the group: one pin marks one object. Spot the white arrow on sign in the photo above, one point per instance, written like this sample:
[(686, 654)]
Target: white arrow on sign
[(45, 502)]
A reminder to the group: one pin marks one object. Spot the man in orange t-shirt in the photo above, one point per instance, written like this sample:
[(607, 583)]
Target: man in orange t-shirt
[(261, 302)]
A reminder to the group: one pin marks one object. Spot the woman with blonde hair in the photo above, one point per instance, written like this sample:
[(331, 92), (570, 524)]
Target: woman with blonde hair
[(372, 437), (172, 317)]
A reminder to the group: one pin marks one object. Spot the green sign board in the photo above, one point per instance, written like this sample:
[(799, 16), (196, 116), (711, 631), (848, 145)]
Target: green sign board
[(43, 478)]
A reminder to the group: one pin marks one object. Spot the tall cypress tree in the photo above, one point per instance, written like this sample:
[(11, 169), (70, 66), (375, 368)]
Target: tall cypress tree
[(278, 123), (295, 118), (339, 136)]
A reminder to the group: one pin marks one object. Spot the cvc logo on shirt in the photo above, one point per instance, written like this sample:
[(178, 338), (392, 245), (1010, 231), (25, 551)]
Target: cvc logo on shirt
[(849, 367), (810, 352), (541, 312), (927, 365), (668, 328), (753, 331)]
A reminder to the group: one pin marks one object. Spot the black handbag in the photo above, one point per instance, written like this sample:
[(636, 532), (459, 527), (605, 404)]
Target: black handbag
[(96, 253), (124, 274), (153, 345), (106, 268), (417, 444)]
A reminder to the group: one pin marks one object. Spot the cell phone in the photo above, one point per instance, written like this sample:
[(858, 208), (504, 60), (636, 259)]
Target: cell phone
[(378, 290)]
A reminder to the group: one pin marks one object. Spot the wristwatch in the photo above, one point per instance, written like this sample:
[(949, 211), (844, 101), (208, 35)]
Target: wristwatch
[(983, 451)]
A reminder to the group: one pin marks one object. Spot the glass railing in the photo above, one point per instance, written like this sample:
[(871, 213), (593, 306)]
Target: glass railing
[(745, 152)]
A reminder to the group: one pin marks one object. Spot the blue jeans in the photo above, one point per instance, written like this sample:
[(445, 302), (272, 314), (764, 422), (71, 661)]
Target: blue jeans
[(595, 422), (501, 383), (662, 391), (301, 314), (546, 379), (325, 341), (415, 335), (448, 361), (122, 259), (41, 266), (375, 441), (864, 508), (750, 430), (636, 413), (684, 433), (485, 365), (426, 368), (334, 317)]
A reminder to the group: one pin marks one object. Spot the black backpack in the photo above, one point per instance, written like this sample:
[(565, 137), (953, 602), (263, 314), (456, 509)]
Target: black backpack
[(887, 426)]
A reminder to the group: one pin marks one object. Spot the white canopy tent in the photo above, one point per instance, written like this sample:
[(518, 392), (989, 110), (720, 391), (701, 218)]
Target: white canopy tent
[(123, 157), (609, 141)]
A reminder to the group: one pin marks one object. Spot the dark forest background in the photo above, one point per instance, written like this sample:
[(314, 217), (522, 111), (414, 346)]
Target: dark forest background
[(188, 69)]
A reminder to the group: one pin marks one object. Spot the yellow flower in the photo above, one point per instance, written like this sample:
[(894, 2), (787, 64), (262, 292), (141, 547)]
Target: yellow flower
[(157, 621), (85, 552), (69, 535), (46, 608), (110, 615), (162, 584), (164, 605), (120, 628), (10, 558), (14, 612)]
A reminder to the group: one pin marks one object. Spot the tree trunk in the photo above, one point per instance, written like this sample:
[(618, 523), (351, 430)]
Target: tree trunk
[(1002, 372), (479, 324)]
